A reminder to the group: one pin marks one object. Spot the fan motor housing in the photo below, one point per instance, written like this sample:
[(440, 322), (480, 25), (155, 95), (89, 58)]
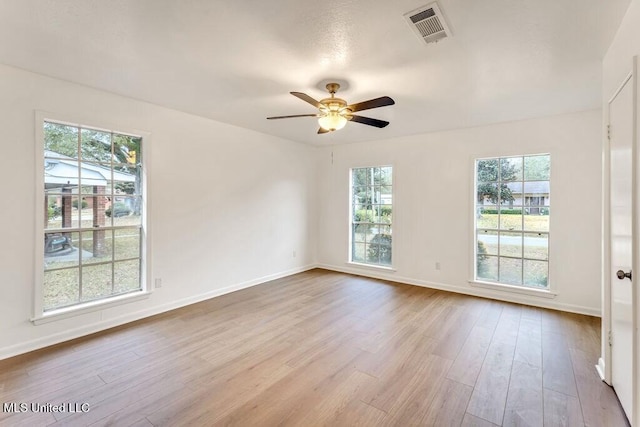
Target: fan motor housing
[(333, 104)]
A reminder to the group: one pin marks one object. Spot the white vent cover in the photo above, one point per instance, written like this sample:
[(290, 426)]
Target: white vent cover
[(428, 23)]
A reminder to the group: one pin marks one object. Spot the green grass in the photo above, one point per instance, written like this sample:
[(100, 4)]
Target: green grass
[(514, 222), (61, 287)]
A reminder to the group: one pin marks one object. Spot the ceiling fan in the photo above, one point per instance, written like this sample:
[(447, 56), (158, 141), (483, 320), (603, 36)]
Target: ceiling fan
[(334, 113)]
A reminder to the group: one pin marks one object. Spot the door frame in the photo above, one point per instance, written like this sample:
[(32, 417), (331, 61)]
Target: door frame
[(604, 364)]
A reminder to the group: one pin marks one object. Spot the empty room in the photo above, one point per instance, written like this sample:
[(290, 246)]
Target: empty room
[(329, 213)]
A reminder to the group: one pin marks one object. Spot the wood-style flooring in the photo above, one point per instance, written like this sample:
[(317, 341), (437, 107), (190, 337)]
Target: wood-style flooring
[(325, 348)]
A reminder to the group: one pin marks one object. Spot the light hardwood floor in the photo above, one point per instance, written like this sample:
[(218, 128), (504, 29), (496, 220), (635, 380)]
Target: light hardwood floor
[(324, 348)]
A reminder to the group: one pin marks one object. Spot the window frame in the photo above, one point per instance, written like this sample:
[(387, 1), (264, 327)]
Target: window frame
[(545, 292), (41, 316), (364, 264)]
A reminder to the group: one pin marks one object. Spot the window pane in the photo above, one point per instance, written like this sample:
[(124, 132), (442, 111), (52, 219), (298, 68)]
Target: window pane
[(386, 176), (95, 178), (127, 276), (60, 288), (361, 176), (126, 180), (360, 232), (487, 217), (511, 169), (536, 273), (487, 170), (127, 243), (96, 145), (61, 211), (487, 267), (92, 211), (61, 250), (487, 193), (536, 246), (537, 167), (511, 244), (537, 222), (511, 271), (358, 254), (126, 149), (97, 246), (510, 194), (125, 211), (510, 219), (60, 141), (536, 193), (487, 242), (96, 281), (377, 176)]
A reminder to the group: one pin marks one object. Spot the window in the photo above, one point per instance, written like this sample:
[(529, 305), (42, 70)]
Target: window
[(371, 213), (92, 213), (512, 210)]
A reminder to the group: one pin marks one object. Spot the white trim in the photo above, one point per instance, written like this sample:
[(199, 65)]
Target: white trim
[(606, 251), (523, 289), (350, 218), (635, 265), (469, 290), (87, 329), (39, 315), (373, 266), (88, 307), (600, 368), (541, 293)]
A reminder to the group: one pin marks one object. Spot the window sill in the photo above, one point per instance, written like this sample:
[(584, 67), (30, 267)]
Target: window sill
[(371, 266), (542, 293), (77, 310)]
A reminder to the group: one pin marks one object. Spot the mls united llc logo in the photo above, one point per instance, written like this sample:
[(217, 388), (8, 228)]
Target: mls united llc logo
[(70, 408)]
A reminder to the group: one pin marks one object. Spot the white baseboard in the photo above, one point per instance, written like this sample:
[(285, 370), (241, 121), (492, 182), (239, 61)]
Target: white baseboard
[(91, 328), (600, 368), (84, 330), (467, 290)]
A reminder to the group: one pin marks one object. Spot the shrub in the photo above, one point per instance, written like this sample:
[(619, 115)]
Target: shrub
[(75, 204), (503, 212), (363, 215), (386, 210), (119, 209), (380, 249), (54, 211), (481, 259)]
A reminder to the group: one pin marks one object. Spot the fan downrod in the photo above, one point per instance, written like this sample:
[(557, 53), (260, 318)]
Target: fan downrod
[(332, 88)]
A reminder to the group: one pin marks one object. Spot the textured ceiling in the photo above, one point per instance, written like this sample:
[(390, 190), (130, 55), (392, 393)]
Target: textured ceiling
[(236, 61)]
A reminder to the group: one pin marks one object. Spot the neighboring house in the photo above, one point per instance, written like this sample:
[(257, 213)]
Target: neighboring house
[(62, 179), (535, 195)]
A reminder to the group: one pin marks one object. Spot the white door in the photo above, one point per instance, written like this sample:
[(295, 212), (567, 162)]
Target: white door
[(621, 229)]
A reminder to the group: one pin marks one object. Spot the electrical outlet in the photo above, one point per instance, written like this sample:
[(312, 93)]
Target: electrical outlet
[(158, 283), (437, 265), (294, 254)]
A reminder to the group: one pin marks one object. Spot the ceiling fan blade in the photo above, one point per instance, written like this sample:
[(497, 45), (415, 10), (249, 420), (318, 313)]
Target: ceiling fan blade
[(383, 101), (321, 131), (306, 98), (295, 115), (369, 121)]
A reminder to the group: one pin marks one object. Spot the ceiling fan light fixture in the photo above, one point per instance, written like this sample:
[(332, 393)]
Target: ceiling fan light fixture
[(334, 113), (332, 120)]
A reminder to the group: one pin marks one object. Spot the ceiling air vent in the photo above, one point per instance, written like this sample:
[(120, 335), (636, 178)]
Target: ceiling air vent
[(428, 23)]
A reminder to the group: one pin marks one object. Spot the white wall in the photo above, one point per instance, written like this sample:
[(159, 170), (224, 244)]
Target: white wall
[(433, 209), (229, 206), (617, 61)]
